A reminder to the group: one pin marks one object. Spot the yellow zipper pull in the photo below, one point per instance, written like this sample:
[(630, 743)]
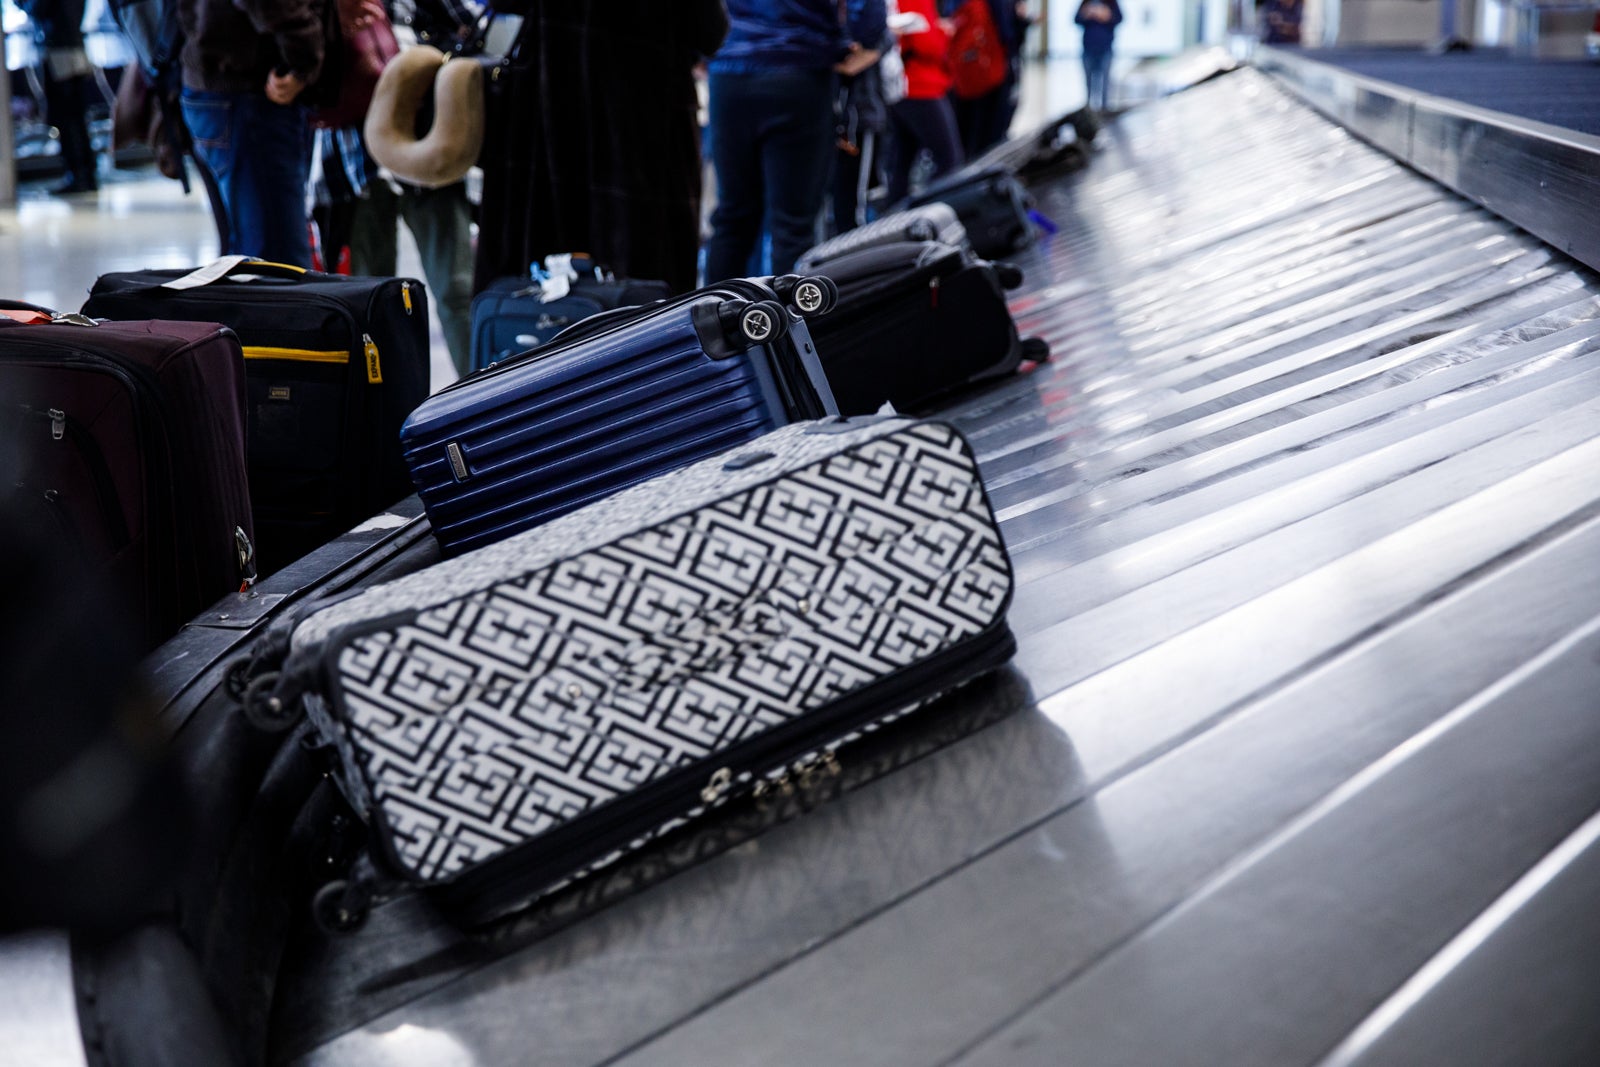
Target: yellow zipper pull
[(405, 294), (369, 348)]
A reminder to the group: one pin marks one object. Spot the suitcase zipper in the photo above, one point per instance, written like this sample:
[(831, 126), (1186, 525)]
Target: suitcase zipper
[(145, 387), (64, 427), (369, 352), (297, 355), (502, 882), (348, 448), (306, 355)]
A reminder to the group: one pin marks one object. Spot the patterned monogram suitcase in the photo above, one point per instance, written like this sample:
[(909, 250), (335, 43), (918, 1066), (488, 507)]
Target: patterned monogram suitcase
[(510, 719)]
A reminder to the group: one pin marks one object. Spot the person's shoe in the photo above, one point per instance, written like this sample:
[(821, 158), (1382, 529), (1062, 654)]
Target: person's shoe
[(75, 184)]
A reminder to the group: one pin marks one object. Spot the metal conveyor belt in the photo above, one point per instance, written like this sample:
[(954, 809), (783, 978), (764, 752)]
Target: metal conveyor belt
[(1306, 520)]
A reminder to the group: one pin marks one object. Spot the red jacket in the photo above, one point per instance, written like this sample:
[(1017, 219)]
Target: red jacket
[(926, 55)]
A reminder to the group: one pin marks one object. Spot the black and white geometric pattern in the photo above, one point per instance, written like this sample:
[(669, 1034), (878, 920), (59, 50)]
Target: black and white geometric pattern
[(677, 620)]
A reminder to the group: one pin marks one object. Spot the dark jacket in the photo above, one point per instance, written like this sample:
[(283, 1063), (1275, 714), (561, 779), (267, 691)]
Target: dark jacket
[(592, 141), (794, 34), (231, 49), (56, 23), (1097, 36)]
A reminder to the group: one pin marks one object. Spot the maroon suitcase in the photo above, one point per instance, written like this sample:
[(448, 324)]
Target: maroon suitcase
[(125, 442)]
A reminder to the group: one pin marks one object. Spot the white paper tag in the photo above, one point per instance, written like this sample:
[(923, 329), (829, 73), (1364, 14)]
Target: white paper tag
[(558, 278), (207, 274)]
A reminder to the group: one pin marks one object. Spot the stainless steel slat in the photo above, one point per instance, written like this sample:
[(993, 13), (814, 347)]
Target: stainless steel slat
[(1305, 477)]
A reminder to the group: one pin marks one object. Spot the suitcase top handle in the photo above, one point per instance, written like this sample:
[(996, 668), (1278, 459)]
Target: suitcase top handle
[(24, 310), (229, 266)]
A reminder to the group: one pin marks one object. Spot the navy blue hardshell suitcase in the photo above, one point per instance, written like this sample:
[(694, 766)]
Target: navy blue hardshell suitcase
[(512, 315), (627, 397)]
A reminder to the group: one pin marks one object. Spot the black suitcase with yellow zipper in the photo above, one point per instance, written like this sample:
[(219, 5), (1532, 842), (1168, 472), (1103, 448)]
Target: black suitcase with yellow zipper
[(333, 366)]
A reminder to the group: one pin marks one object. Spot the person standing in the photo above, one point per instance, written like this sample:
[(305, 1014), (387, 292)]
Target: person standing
[(985, 120), (1099, 19), (372, 202), (599, 147), (245, 64), (58, 31), (925, 118), (772, 86), (1280, 21)]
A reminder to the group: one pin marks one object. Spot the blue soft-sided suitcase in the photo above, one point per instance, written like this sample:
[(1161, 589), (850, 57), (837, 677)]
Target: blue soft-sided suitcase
[(511, 315), (606, 406)]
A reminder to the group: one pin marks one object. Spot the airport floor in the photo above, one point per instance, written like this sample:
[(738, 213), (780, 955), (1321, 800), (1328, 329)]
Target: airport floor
[(1297, 760)]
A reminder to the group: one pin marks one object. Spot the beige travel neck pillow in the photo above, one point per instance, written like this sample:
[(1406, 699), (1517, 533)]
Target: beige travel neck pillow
[(454, 140)]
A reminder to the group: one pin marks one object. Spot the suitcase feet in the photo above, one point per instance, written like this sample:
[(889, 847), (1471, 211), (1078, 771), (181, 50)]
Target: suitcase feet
[(341, 907), (266, 710)]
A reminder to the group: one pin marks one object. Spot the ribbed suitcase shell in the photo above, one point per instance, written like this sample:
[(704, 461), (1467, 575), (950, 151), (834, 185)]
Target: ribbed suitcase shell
[(504, 451), (515, 716)]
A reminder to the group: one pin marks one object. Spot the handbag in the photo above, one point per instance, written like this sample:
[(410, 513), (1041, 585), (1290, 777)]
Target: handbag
[(893, 70), (362, 57)]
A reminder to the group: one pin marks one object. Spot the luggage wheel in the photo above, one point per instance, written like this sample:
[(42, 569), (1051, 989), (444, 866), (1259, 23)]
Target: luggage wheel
[(341, 907), (236, 679), (758, 323), (266, 711), (809, 295)]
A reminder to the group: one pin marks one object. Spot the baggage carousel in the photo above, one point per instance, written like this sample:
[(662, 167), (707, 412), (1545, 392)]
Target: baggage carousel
[(1299, 758)]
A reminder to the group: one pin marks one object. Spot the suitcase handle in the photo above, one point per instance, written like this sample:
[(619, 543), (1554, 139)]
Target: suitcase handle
[(228, 266), (22, 305)]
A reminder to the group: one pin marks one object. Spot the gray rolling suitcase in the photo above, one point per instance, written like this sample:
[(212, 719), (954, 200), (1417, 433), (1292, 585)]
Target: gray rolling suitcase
[(513, 718), (930, 222)]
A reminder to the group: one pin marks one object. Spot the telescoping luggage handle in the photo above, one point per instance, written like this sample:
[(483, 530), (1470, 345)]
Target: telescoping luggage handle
[(20, 311), (23, 312), (755, 314)]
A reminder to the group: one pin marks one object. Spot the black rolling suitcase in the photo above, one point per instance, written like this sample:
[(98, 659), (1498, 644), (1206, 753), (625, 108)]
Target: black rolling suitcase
[(333, 366), (992, 205), (619, 398), (510, 719), (931, 222), (1060, 146), (915, 321), (125, 443), (513, 315)]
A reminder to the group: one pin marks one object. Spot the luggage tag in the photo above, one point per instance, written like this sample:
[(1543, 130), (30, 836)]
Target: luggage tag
[(555, 280)]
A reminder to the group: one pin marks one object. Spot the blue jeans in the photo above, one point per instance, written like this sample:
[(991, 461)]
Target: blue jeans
[(771, 144), (1097, 76), (259, 155)]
